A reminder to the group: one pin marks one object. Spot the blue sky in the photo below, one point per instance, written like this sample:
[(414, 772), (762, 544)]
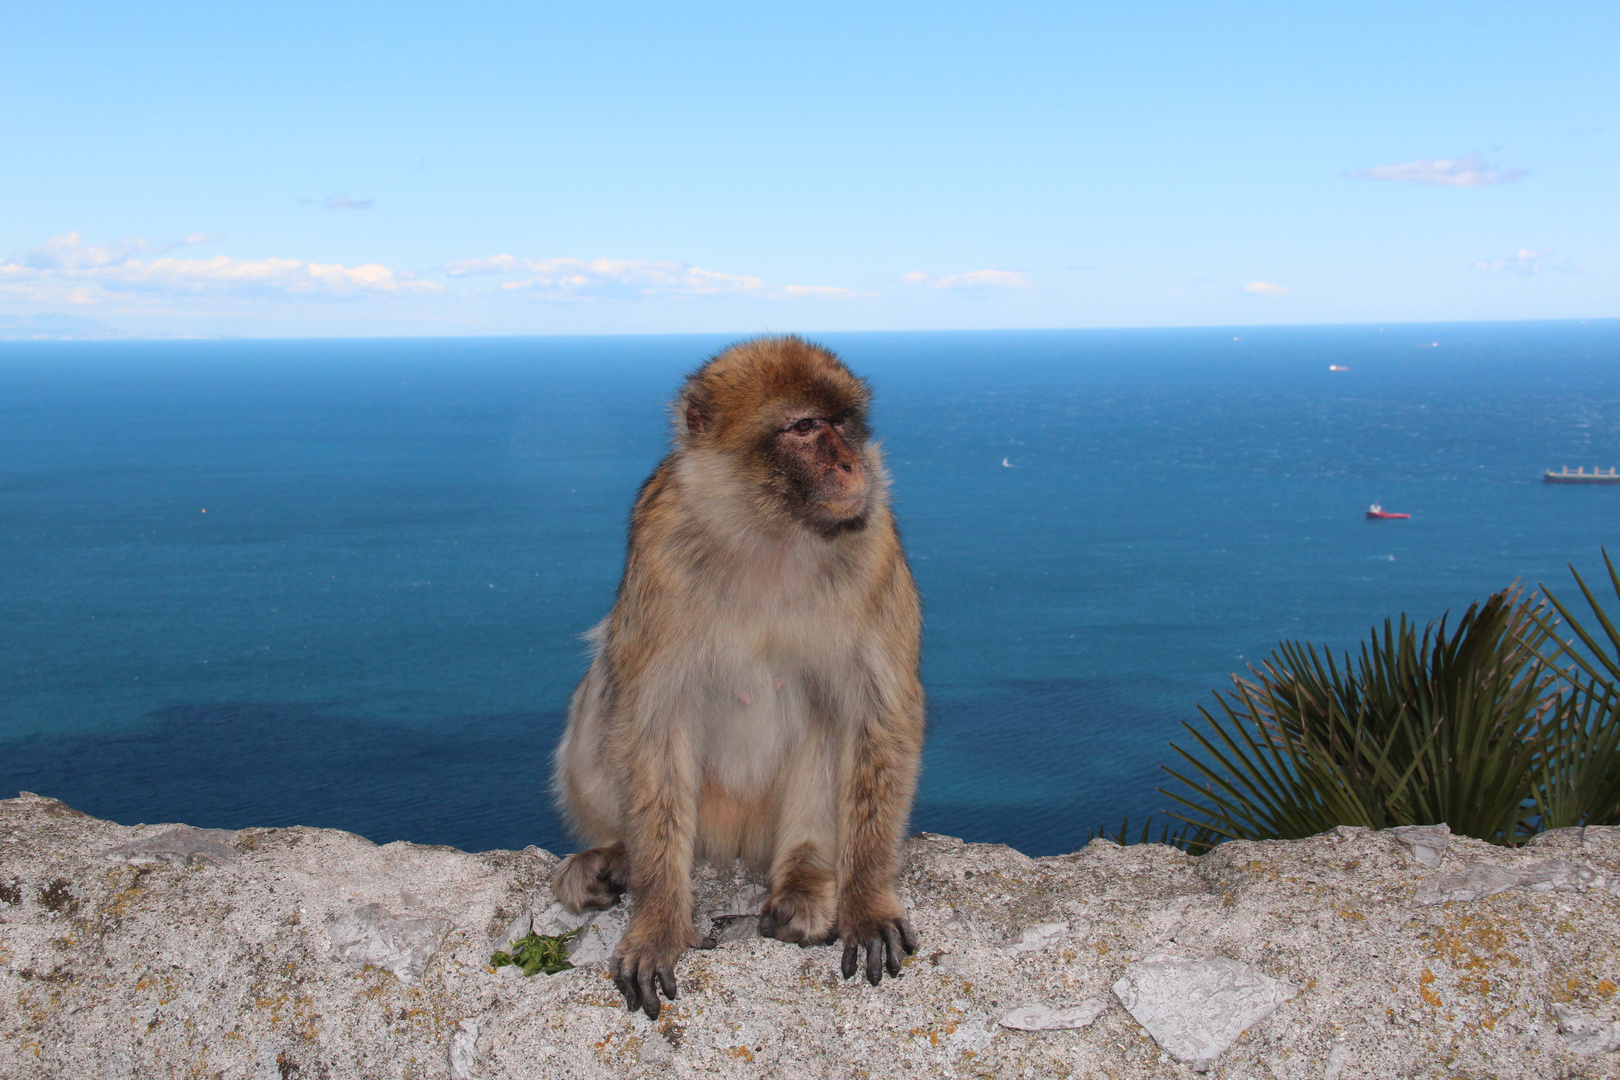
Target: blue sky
[(367, 168)]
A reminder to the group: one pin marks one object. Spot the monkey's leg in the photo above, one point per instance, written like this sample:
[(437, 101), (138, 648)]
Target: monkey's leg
[(803, 899), (660, 834), (592, 880), (878, 788), (803, 879)]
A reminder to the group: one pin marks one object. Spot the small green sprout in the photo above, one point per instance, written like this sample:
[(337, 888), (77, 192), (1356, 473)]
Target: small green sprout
[(536, 953)]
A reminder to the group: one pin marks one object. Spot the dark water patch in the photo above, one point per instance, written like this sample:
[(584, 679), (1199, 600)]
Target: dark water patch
[(473, 782), (1035, 762)]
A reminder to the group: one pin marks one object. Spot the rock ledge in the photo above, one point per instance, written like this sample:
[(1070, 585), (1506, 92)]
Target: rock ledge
[(162, 950)]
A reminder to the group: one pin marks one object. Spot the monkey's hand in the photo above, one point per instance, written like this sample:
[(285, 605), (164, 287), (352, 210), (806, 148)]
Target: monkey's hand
[(886, 935), (591, 880), (644, 964), (804, 915)]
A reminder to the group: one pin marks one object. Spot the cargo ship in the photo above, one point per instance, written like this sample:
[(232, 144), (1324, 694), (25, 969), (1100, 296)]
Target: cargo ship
[(1581, 476), (1378, 513)]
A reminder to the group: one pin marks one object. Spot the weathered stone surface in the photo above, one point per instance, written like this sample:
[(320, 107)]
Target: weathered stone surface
[(1427, 843), (1478, 882), (183, 845), (1054, 1018), (190, 966), (369, 934), (1584, 1034), (1195, 1009)]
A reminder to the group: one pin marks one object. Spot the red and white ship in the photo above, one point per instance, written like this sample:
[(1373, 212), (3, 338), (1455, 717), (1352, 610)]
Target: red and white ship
[(1378, 513)]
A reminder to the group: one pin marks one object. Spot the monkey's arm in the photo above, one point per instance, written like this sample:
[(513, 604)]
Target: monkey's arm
[(660, 820), (880, 780), (654, 755)]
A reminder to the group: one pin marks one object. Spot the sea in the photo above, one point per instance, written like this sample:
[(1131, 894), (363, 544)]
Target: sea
[(343, 583)]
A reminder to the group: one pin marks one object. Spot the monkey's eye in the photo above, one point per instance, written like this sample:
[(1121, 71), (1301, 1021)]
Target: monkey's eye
[(807, 424)]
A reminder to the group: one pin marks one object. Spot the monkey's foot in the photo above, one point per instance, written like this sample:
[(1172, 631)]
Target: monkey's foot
[(887, 939), (644, 967), (801, 907), (591, 880)]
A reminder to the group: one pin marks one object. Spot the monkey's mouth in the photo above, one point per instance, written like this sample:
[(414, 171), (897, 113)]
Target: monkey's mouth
[(849, 506)]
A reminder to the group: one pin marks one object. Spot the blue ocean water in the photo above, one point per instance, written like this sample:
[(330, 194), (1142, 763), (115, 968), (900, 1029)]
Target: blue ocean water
[(342, 583)]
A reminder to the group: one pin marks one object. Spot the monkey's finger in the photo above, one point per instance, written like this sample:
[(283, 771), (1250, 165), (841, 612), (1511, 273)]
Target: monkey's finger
[(891, 942), (626, 985), (649, 993), (851, 956), (666, 979), (908, 936), (767, 926), (874, 960)]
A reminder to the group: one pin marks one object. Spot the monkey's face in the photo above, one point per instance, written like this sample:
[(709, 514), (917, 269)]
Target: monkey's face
[(818, 468)]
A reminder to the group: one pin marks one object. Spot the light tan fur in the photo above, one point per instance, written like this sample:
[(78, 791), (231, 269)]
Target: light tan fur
[(754, 693)]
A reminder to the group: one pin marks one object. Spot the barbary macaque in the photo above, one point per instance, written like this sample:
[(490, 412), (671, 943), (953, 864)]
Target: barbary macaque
[(754, 692)]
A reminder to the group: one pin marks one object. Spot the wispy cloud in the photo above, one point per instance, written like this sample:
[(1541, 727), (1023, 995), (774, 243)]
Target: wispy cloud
[(70, 252), (592, 279), (1469, 170), (489, 264), (973, 279), (829, 292), (1526, 261), (343, 202), (67, 268), (1265, 288)]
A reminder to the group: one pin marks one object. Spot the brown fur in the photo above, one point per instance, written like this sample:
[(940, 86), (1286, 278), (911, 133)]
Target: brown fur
[(754, 692)]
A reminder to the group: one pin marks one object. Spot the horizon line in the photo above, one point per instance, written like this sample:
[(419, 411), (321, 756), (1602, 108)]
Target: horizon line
[(115, 337)]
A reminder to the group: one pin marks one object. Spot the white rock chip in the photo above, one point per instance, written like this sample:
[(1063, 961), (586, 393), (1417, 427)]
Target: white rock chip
[(182, 846), (1485, 879), (463, 1051), (1584, 1035), (400, 943), (1425, 843), (1040, 936), (1054, 1018), (518, 929), (600, 936), (1195, 1009)]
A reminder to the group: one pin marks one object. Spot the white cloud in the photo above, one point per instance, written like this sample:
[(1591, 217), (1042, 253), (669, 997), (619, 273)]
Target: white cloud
[(1526, 261), (65, 267), (973, 279), (1265, 288), (70, 252), (489, 264), (830, 292), (590, 279), (1465, 171)]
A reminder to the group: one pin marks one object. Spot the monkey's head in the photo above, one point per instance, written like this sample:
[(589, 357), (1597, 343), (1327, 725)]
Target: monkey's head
[(789, 419)]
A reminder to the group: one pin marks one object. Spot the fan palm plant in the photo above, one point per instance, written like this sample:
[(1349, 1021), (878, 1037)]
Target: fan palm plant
[(1446, 727), (1579, 772)]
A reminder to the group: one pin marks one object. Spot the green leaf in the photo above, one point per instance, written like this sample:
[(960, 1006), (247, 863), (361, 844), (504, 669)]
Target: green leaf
[(535, 953)]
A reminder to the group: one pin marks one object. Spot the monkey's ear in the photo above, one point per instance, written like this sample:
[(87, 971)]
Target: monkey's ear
[(699, 414)]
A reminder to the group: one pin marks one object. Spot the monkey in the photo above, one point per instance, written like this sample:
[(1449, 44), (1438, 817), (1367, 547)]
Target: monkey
[(754, 692)]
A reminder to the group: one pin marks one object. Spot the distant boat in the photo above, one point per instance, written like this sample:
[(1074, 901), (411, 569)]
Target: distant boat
[(1581, 476), (1005, 464), (1337, 367), (1378, 513)]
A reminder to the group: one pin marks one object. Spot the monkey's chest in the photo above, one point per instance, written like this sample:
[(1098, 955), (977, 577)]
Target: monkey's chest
[(768, 709)]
